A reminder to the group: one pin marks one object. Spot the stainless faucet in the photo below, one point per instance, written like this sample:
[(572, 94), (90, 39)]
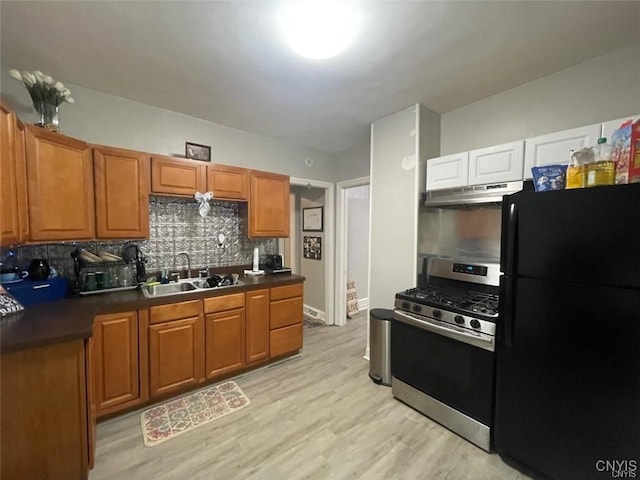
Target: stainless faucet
[(188, 262)]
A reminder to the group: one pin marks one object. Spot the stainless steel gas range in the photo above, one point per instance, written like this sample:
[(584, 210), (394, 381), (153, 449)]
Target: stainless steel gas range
[(443, 343)]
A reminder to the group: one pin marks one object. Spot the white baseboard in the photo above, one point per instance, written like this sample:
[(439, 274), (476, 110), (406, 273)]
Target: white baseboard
[(366, 354), (363, 304), (314, 313)]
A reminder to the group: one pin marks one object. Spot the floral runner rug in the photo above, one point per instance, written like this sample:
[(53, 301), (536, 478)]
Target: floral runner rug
[(177, 416)]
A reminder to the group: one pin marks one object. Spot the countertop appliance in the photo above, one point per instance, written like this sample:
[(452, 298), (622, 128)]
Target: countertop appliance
[(568, 343), (273, 264), (442, 345)]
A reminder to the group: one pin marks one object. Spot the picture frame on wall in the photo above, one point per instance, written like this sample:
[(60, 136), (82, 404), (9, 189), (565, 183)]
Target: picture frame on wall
[(312, 248), (312, 219), (196, 151)]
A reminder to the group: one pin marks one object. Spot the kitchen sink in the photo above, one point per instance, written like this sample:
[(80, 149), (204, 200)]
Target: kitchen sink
[(168, 289), (182, 286)]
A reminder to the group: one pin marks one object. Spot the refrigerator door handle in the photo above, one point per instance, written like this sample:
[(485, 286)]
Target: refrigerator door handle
[(506, 299), (509, 232)]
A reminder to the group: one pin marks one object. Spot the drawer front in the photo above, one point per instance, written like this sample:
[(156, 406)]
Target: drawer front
[(226, 302), (285, 312), (174, 311), (285, 340), (287, 291)]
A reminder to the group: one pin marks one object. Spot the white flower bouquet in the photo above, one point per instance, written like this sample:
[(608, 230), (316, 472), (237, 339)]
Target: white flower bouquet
[(46, 94)]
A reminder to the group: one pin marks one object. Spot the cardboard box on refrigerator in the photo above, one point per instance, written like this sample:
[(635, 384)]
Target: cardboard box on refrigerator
[(625, 144)]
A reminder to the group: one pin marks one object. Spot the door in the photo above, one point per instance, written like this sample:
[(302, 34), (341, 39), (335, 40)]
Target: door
[(568, 370), (122, 193), (268, 205), (116, 361), (554, 148), (501, 163), (581, 235), (224, 342), (176, 357), (176, 176), (257, 325), (448, 172), (60, 185), (9, 219), (227, 182), (451, 371)]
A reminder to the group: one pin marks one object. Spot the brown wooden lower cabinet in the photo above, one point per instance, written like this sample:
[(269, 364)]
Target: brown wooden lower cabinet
[(285, 340), (43, 406), (176, 355), (91, 402), (116, 361), (257, 326), (224, 342)]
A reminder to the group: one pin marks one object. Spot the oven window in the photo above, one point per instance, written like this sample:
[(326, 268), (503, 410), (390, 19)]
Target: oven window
[(455, 373)]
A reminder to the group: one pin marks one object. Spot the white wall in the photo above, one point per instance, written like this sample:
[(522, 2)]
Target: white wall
[(603, 88), (358, 239), (110, 120), (354, 163), (393, 193)]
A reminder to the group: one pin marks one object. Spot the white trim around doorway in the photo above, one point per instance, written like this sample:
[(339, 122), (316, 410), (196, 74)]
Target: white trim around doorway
[(328, 247), (341, 247)]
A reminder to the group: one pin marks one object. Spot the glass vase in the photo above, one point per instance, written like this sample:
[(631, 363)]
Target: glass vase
[(49, 116)]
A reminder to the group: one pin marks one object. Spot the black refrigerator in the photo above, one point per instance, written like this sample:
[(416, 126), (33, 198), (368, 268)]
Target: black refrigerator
[(567, 402)]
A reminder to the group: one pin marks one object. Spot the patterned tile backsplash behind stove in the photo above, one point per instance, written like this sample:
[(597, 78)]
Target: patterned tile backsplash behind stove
[(175, 226)]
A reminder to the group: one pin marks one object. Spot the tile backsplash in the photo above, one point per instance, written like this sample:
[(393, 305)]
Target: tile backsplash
[(175, 226)]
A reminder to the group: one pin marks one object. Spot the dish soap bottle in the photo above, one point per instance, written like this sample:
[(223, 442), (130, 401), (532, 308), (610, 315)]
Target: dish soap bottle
[(603, 170)]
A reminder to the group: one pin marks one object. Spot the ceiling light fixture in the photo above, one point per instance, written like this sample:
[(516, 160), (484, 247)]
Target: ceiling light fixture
[(319, 29)]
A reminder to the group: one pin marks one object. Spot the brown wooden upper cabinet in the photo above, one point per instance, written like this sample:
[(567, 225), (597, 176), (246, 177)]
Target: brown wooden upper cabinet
[(177, 176), (268, 205), (121, 179), (14, 222), (60, 187), (227, 182)]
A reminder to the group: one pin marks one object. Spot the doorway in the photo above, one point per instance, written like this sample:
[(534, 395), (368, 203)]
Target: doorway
[(352, 232), (318, 265)]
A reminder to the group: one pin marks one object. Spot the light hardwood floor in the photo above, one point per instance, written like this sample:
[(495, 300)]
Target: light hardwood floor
[(317, 416)]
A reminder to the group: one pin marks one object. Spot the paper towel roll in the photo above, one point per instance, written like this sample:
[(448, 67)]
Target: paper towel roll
[(255, 259)]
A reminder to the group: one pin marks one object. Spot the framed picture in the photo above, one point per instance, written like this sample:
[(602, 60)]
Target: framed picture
[(312, 248), (198, 152), (312, 219)]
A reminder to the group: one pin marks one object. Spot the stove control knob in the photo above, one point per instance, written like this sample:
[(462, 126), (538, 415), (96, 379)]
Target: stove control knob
[(437, 314), (417, 308), (475, 323), (459, 319), (406, 305)]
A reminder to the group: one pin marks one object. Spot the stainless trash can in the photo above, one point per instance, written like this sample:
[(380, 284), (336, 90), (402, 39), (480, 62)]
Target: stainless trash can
[(380, 345)]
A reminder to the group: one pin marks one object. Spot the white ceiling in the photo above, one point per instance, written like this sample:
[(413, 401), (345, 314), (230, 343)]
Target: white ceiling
[(227, 62)]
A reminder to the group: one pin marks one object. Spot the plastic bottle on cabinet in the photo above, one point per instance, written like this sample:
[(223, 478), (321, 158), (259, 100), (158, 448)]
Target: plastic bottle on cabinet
[(603, 170)]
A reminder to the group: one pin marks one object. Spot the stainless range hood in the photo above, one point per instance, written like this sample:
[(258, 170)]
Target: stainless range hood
[(474, 195)]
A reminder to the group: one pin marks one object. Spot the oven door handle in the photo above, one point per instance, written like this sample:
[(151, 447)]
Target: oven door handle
[(486, 342)]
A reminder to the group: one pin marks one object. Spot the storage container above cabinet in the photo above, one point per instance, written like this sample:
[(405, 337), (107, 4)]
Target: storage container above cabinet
[(501, 163), (554, 148), (448, 172)]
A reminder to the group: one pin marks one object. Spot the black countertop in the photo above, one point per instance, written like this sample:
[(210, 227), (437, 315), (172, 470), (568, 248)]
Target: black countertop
[(72, 318)]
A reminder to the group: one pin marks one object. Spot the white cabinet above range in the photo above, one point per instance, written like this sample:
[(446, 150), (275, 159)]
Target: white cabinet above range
[(500, 163), (553, 148), (448, 172)]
